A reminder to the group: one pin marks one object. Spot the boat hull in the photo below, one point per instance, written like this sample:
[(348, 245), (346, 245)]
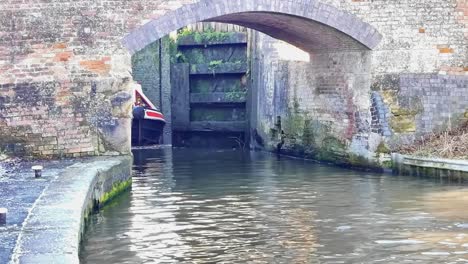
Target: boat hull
[(147, 127), (146, 132)]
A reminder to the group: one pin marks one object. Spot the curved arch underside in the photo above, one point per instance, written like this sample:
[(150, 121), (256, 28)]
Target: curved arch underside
[(307, 24)]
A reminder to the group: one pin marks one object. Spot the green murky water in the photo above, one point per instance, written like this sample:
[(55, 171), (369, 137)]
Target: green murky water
[(192, 206)]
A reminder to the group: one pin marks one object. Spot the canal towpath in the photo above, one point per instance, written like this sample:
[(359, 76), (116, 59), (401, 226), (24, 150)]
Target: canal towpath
[(45, 216), (19, 191)]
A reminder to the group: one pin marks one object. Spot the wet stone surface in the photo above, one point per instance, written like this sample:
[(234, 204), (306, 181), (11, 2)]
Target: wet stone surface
[(51, 231), (19, 190)]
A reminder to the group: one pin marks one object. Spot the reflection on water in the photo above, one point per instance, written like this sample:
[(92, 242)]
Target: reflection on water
[(192, 206), (450, 205)]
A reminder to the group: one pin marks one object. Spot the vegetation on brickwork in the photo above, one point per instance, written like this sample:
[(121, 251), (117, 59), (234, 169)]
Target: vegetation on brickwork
[(387, 164), (383, 149), (207, 36), (451, 144), (236, 92), (294, 123), (173, 50), (180, 58), (213, 65), (195, 56), (236, 95), (141, 57), (308, 137)]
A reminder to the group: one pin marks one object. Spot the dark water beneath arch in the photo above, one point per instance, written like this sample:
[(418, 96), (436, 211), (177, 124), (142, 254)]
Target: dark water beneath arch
[(193, 206)]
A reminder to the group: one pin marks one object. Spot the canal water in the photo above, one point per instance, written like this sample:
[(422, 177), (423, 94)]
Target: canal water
[(194, 206)]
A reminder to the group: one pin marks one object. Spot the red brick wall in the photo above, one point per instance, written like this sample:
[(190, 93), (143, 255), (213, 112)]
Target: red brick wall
[(63, 70)]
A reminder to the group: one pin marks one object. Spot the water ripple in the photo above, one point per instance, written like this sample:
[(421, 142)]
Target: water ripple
[(230, 207)]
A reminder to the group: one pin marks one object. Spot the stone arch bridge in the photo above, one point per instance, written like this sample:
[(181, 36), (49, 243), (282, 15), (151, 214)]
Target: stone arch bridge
[(307, 24), (65, 68)]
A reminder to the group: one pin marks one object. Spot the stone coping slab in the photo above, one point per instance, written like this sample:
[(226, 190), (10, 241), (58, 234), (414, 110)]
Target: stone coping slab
[(432, 167), (19, 191), (51, 232)]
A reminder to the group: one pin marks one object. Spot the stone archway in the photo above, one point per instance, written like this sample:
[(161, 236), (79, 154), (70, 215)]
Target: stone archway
[(308, 24), (314, 27)]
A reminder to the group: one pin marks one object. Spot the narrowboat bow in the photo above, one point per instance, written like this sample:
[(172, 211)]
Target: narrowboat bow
[(148, 122)]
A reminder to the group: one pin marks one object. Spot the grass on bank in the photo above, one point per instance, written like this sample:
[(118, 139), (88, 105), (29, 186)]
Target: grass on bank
[(450, 144)]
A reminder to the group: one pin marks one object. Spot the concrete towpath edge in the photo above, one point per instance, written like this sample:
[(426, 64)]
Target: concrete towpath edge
[(52, 231)]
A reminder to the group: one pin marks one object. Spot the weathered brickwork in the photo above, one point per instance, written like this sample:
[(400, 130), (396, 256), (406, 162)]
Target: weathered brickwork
[(65, 70), (419, 36), (413, 83), (324, 104), (380, 115), (146, 67), (439, 101)]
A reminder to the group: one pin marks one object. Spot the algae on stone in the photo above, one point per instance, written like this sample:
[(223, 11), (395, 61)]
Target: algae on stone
[(117, 189), (382, 148), (403, 123), (403, 119)]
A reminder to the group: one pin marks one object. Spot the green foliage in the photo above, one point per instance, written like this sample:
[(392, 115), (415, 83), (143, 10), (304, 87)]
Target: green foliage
[(208, 36), (195, 56), (214, 64), (236, 95), (388, 164), (184, 32), (180, 58), (176, 55)]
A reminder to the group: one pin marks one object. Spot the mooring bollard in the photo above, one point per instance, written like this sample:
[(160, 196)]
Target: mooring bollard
[(37, 171), (3, 215)]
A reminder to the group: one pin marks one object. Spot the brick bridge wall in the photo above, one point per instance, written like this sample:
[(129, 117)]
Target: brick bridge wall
[(348, 106), (65, 74), (65, 78)]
